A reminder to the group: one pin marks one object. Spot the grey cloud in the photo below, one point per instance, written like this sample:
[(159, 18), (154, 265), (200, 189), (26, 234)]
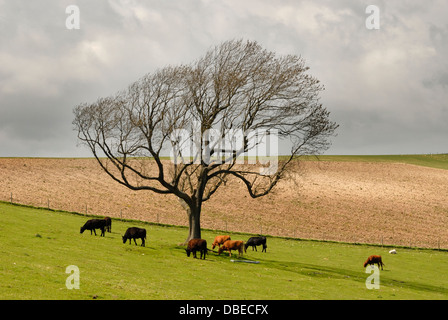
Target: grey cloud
[(386, 88)]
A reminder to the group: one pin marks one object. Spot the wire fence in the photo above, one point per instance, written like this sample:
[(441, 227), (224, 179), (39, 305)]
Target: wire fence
[(226, 225)]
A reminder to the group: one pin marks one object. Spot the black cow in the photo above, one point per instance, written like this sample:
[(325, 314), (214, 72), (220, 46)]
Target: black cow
[(254, 242), (93, 224), (108, 224), (197, 245), (135, 233)]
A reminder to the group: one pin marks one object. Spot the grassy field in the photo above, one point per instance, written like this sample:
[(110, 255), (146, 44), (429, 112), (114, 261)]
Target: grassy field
[(37, 245)]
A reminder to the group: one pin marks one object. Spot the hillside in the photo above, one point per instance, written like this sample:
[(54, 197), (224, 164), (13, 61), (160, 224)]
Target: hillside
[(355, 201), (38, 245)]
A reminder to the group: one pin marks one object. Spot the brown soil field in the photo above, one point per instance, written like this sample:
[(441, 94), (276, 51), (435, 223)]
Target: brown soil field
[(389, 203)]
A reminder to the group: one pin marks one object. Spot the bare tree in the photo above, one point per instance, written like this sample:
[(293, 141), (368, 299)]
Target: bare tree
[(211, 115)]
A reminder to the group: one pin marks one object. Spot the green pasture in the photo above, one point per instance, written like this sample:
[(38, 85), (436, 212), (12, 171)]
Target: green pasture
[(37, 245)]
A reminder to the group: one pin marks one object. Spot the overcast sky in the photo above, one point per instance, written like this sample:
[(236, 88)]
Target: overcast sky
[(387, 88)]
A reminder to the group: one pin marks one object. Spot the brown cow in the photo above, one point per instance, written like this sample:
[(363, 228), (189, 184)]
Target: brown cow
[(374, 259), (197, 245), (230, 245), (219, 240)]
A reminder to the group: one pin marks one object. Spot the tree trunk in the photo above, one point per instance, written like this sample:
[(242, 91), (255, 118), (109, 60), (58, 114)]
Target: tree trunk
[(194, 220)]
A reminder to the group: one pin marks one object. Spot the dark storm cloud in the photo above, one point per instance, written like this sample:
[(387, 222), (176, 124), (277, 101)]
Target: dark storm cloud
[(386, 88)]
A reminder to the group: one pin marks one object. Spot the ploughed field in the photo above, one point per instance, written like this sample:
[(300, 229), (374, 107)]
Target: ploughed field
[(389, 200)]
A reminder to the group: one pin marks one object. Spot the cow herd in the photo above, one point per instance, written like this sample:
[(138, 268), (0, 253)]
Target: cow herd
[(105, 224), (224, 243)]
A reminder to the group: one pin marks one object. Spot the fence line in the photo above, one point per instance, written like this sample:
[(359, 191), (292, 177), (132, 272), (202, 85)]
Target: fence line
[(262, 229)]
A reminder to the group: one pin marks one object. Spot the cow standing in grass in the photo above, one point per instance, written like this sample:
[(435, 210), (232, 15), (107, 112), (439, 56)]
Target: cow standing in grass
[(254, 242), (195, 245), (219, 240), (93, 224), (374, 259), (108, 224), (135, 233), (230, 245)]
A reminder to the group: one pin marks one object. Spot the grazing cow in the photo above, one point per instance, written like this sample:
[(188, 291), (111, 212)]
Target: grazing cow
[(93, 224), (197, 245), (374, 259), (108, 224), (135, 233), (219, 240), (254, 242), (230, 245)]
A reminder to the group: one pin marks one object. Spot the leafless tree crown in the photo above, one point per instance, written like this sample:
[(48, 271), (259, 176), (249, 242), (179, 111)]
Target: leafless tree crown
[(235, 86)]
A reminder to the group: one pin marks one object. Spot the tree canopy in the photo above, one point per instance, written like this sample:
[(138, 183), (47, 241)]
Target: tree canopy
[(219, 117)]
